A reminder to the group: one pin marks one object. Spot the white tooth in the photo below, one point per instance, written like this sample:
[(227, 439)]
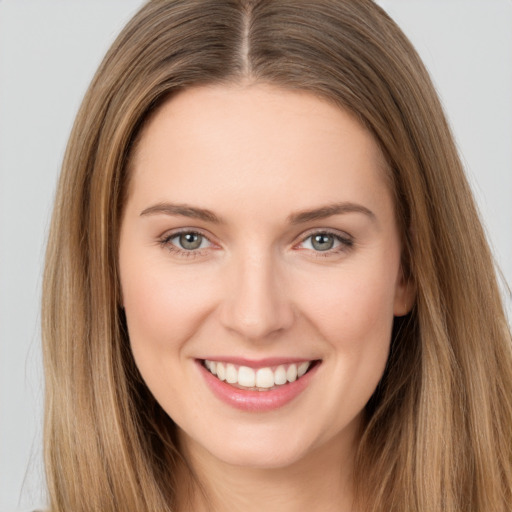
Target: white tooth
[(264, 378), (280, 376), (231, 373), (303, 368), (291, 373), (211, 365), (221, 371), (246, 377)]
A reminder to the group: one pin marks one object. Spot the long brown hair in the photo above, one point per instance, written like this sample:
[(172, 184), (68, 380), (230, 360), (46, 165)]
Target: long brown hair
[(438, 434)]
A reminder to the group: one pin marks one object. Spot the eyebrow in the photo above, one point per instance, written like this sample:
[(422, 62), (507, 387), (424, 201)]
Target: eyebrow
[(300, 217), (183, 210), (328, 211)]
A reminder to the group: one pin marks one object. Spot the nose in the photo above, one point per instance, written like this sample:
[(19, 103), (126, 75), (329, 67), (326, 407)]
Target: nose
[(255, 304)]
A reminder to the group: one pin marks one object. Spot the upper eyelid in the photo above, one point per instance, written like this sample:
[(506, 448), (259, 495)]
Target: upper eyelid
[(169, 234), (166, 240), (328, 231)]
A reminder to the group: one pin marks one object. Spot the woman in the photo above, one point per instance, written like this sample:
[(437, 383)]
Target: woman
[(266, 282)]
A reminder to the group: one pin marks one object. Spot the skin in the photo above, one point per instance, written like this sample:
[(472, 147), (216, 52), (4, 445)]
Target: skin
[(255, 155)]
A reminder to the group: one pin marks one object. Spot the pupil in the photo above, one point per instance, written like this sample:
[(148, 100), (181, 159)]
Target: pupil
[(323, 242), (190, 241)]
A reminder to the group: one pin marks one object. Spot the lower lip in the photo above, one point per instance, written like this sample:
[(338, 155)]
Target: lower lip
[(257, 401)]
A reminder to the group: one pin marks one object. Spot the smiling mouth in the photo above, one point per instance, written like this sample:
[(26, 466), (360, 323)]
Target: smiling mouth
[(260, 379)]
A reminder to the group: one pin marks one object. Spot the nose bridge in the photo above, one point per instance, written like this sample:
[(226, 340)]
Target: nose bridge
[(256, 304)]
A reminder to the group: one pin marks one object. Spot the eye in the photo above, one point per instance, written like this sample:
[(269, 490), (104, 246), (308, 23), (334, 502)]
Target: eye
[(324, 241), (186, 242), (190, 241)]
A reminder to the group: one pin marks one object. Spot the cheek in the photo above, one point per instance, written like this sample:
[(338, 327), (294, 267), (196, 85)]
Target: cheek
[(354, 314), (352, 307), (163, 311), (163, 306)]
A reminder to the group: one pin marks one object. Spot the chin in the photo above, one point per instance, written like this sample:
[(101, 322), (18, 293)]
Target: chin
[(261, 447), (255, 456)]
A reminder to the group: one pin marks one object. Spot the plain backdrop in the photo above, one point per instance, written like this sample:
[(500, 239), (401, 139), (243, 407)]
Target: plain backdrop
[(49, 50)]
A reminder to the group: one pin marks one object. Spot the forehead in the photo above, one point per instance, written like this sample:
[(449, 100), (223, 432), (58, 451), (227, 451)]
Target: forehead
[(258, 141)]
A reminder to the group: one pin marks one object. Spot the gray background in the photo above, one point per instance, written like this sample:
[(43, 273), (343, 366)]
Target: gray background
[(49, 50)]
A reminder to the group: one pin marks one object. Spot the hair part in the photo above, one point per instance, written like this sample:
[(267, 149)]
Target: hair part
[(437, 435)]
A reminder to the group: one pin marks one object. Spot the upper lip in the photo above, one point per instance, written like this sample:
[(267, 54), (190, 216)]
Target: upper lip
[(258, 363)]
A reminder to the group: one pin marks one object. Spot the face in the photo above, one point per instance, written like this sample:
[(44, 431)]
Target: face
[(260, 271)]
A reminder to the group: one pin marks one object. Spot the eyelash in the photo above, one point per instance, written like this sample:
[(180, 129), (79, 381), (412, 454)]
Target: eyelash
[(165, 242), (346, 243)]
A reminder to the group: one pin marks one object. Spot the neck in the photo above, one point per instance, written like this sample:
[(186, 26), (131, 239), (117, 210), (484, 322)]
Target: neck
[(321, 481)]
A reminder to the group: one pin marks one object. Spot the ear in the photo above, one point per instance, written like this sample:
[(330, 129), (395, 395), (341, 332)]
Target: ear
[(405, 294)]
